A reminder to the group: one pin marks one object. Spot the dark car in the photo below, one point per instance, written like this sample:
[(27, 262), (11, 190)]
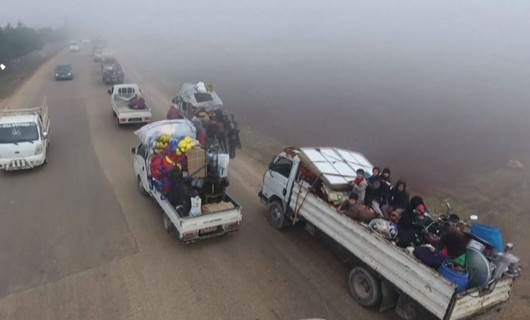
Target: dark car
[(64, 72)]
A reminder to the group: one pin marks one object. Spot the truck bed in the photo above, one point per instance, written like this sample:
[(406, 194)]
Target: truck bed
[(205, 225), (421, 283)]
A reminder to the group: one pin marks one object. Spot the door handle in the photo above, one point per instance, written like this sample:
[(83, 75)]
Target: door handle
[(284, 191)]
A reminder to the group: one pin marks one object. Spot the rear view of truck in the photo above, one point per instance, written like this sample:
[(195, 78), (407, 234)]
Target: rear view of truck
[(187, 181), (128, 105)]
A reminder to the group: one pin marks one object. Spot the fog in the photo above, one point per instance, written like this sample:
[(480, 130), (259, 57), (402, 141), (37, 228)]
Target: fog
[(432, 89)]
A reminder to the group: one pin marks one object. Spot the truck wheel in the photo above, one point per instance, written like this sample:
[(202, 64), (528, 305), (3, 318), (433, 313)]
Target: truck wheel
[(408, 309), (276, 215), (365, 288), (168, 225), (141, 187)]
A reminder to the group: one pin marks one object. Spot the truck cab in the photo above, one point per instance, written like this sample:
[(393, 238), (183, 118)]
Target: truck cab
[(23, 138)]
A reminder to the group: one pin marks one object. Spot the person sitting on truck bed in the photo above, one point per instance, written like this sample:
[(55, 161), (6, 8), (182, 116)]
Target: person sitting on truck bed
[(359, 184), (137, 102), (356, 210), (409, 231), (399, 197), (373, 186)]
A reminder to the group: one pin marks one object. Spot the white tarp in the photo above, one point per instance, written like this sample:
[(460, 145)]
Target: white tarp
[(337, 166), (176, 128)]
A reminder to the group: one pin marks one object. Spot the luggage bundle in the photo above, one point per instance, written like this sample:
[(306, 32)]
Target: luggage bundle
[(170, 160)]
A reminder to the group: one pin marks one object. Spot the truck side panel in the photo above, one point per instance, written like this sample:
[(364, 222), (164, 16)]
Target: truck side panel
[(418, 281)]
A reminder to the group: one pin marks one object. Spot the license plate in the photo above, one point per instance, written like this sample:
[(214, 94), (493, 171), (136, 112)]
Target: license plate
[(135, 119), (207, 230)]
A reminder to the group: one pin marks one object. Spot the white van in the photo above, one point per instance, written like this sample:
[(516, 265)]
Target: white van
[(23, 138)]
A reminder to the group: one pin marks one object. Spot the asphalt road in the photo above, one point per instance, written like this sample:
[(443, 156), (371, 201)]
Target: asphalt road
[(77, 240)]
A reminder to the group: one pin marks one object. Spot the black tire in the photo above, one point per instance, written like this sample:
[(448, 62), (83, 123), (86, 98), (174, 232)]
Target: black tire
[(168, 225), (364, 287), (276, 215), (141, 188)]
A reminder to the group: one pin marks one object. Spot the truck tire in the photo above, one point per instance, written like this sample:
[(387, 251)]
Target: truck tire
[(141, 187), (364, 287), (276, 215), (168, 225)]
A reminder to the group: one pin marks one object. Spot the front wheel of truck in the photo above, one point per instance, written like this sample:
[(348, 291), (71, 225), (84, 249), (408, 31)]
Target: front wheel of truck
[(276, 215)]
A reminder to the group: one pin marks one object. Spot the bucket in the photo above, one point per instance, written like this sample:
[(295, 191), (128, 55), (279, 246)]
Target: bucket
[(489, 234), (461, 279)]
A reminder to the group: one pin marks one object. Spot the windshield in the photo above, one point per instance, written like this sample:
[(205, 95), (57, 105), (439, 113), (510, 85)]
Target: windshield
[(18, 132), (64, 68)]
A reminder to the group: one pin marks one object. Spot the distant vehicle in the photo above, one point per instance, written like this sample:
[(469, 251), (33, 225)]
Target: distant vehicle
[(98, 55), (23, 138), (200, 101), (74, 46), (124, 98), (112, 74), (64, 72), (85, 41)]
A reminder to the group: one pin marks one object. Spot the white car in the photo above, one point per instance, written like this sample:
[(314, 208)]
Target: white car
[(23, 138), (74, 46)]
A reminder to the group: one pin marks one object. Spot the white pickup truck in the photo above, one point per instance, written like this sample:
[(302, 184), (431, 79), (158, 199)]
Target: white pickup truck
[(23, 138), (186, 228), (121, 96), (386, 276)]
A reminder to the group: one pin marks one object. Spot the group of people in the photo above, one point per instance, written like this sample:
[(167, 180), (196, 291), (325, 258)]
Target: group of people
[(213, 128), (389, 209)]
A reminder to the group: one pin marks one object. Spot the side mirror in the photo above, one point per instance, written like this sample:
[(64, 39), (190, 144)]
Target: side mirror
[(271, 164), (45, 134), (509, 247), (174, 100), (133, 150), (109, 91)]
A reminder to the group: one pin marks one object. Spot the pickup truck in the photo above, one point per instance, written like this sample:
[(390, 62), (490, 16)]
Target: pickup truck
[(23, 138), (185, 228), (121, 96), (386, 276), (112, 73)]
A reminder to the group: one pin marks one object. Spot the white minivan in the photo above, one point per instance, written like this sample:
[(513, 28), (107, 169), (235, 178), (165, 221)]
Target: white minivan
[(23, 138)]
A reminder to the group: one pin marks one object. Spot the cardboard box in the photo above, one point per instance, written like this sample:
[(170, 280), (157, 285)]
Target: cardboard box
[(197, 162), (216, 207)]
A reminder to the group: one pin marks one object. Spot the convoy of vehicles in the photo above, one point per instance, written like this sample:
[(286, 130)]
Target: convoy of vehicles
[(216, 214), (122, 98), (23, 138), (64, 72), (386, 275)]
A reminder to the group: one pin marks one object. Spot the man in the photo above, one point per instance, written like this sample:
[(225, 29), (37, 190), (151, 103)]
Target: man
[(359, 185), (373, 186), (355, 210), (399, 197)]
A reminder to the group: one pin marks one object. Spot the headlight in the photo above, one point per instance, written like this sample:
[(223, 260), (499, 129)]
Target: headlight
[(38, 149), (69, 73), (56, 74)]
